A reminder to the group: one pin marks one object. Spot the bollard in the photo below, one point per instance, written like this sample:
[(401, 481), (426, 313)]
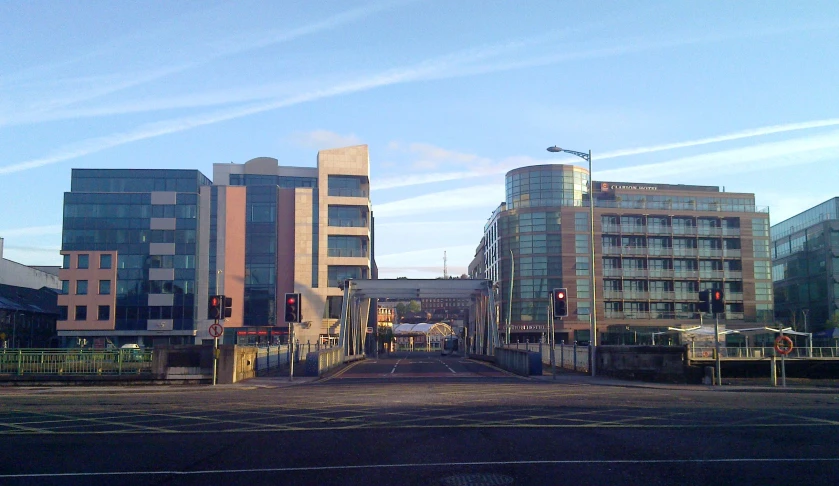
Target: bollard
[(575, 355), (773, 372)]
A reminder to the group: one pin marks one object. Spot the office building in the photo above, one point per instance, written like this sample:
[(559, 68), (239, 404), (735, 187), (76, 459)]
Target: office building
[(805, 267), (131, 251), (143, 249), (656, 247)]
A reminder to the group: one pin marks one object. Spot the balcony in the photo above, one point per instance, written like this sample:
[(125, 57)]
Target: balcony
[(733, 274), (348, 223), (347, 252), (625, 295), (709, 231), (659, 230), (658, 273), (731, 231), (731, 253), (347, 192)]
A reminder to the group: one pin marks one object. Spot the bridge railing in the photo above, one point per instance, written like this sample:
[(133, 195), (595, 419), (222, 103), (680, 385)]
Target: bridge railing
[(568, 356), (75, 361), (756, 352)]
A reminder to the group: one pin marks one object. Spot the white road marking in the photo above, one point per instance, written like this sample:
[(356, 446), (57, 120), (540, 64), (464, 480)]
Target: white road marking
[(394, 366), (426, 465), (447, 366)]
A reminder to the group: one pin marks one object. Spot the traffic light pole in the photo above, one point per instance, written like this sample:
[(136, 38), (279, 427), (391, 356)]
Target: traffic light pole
[(551, 338), (215, 358), (291, 351), (717, 347)]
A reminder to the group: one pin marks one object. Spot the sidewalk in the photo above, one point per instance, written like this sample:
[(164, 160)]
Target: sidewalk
[(572, 378)]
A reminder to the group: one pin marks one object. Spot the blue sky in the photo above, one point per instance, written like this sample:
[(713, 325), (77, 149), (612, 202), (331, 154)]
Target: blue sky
[(448, 94)]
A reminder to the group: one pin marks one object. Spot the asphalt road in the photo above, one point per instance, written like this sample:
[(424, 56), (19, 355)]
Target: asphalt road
[(418, 420)]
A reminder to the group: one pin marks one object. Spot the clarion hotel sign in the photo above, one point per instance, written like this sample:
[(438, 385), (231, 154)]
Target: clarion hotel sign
[(605, 186)]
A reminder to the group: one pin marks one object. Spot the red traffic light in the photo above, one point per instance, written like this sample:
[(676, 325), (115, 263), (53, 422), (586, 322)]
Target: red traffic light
[(291, 300), (214, 300), (560, 295), (717, 295)]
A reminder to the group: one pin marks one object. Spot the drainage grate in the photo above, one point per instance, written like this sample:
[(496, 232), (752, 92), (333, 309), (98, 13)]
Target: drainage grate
[(477, 480)]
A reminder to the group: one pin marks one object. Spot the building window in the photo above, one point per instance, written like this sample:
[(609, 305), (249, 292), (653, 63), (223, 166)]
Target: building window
[(62, 313), (104, 312), (83, 261), (81, 312), (581, 221), (762, 271), (105, 261), (66, 263), (104, 287), (583, 287), (581, 243), (582, 266), (760, 227), (761, 248), (81, 287), (763, 292), (65, 287)]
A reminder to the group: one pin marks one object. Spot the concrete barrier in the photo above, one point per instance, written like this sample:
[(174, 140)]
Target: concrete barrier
[(321, 361), (514, 360), (647, 363)]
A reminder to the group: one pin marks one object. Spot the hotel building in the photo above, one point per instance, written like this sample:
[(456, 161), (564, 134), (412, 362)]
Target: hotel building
[(656, 247)]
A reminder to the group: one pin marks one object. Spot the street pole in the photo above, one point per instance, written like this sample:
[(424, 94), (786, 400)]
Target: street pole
[(593, 315), (717, 347), (291, 351), (215, 357), (551, 337), (510, 303), (783, 364)]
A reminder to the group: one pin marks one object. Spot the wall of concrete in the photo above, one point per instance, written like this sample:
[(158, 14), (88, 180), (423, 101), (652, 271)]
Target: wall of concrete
[(648, 363)]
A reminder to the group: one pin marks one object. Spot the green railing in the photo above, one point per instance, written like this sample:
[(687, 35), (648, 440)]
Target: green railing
[(74, 362)]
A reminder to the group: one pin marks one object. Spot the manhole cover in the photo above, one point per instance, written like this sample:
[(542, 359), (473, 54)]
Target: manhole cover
[(476, 480)]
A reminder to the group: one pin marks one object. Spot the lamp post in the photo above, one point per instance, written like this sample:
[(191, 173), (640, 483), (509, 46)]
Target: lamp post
[(593, 312)]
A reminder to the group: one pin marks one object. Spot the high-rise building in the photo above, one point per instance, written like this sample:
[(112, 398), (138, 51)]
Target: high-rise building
[(805, 267), (656, 247), (143, 249), (305, 229), (131, 256)]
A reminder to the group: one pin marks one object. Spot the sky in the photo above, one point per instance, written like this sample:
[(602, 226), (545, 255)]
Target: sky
[(449, 95)]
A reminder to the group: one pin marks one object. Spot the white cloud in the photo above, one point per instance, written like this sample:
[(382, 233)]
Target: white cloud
[(323, 139), (468, 197), (31, 231), (798, 151), (749, 133)]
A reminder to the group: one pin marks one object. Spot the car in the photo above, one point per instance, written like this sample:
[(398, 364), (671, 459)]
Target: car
[(131, 352)]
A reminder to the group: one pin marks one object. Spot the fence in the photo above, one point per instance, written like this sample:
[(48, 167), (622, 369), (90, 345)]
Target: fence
[(707, 352), (272, 358), (568, 356), (75, 362)]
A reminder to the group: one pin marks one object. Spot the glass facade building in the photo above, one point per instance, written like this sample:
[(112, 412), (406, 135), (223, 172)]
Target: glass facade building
[(143, 225), (805, 267), (656, 247)]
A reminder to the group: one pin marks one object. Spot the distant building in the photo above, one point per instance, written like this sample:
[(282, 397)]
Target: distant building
[(805, 267), (28, 317), (656, 247), (13, 273)]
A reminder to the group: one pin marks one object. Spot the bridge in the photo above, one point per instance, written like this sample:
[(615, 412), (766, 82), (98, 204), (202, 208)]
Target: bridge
[(481, 330)]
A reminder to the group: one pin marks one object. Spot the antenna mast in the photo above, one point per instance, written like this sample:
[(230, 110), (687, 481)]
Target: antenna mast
[(445, 266)]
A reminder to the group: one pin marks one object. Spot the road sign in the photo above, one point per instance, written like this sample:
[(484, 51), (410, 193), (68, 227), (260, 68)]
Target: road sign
[(216, 330)]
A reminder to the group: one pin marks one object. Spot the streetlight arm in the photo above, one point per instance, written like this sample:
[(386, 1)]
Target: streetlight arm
[(582, 155)]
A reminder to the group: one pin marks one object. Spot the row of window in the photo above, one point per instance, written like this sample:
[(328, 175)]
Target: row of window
[(83, 261), (80, 313), (82, 287)]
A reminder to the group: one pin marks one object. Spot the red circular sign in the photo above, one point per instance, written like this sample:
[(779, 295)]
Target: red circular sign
[(216, 330)]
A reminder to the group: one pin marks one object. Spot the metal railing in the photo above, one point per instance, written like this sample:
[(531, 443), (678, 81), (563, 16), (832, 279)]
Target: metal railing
[(75, 361), (568, 356), (346, 192), (760, 352), (346, 252), (348, 223)]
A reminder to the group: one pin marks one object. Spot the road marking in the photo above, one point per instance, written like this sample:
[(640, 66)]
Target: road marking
[(447, 366), (430, 465), (394, 366)]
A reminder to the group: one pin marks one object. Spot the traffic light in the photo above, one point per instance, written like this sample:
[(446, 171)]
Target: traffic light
[(292, 308), (704, 301), (560, 301), (228, 307), (214, 307), (717, 302)]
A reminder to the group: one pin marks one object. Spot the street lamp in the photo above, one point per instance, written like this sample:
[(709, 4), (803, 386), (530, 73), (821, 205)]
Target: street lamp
[(593, 311)]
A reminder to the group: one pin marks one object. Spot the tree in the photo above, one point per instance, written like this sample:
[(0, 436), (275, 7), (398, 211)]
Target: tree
[(414, 306), (833, 322)]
